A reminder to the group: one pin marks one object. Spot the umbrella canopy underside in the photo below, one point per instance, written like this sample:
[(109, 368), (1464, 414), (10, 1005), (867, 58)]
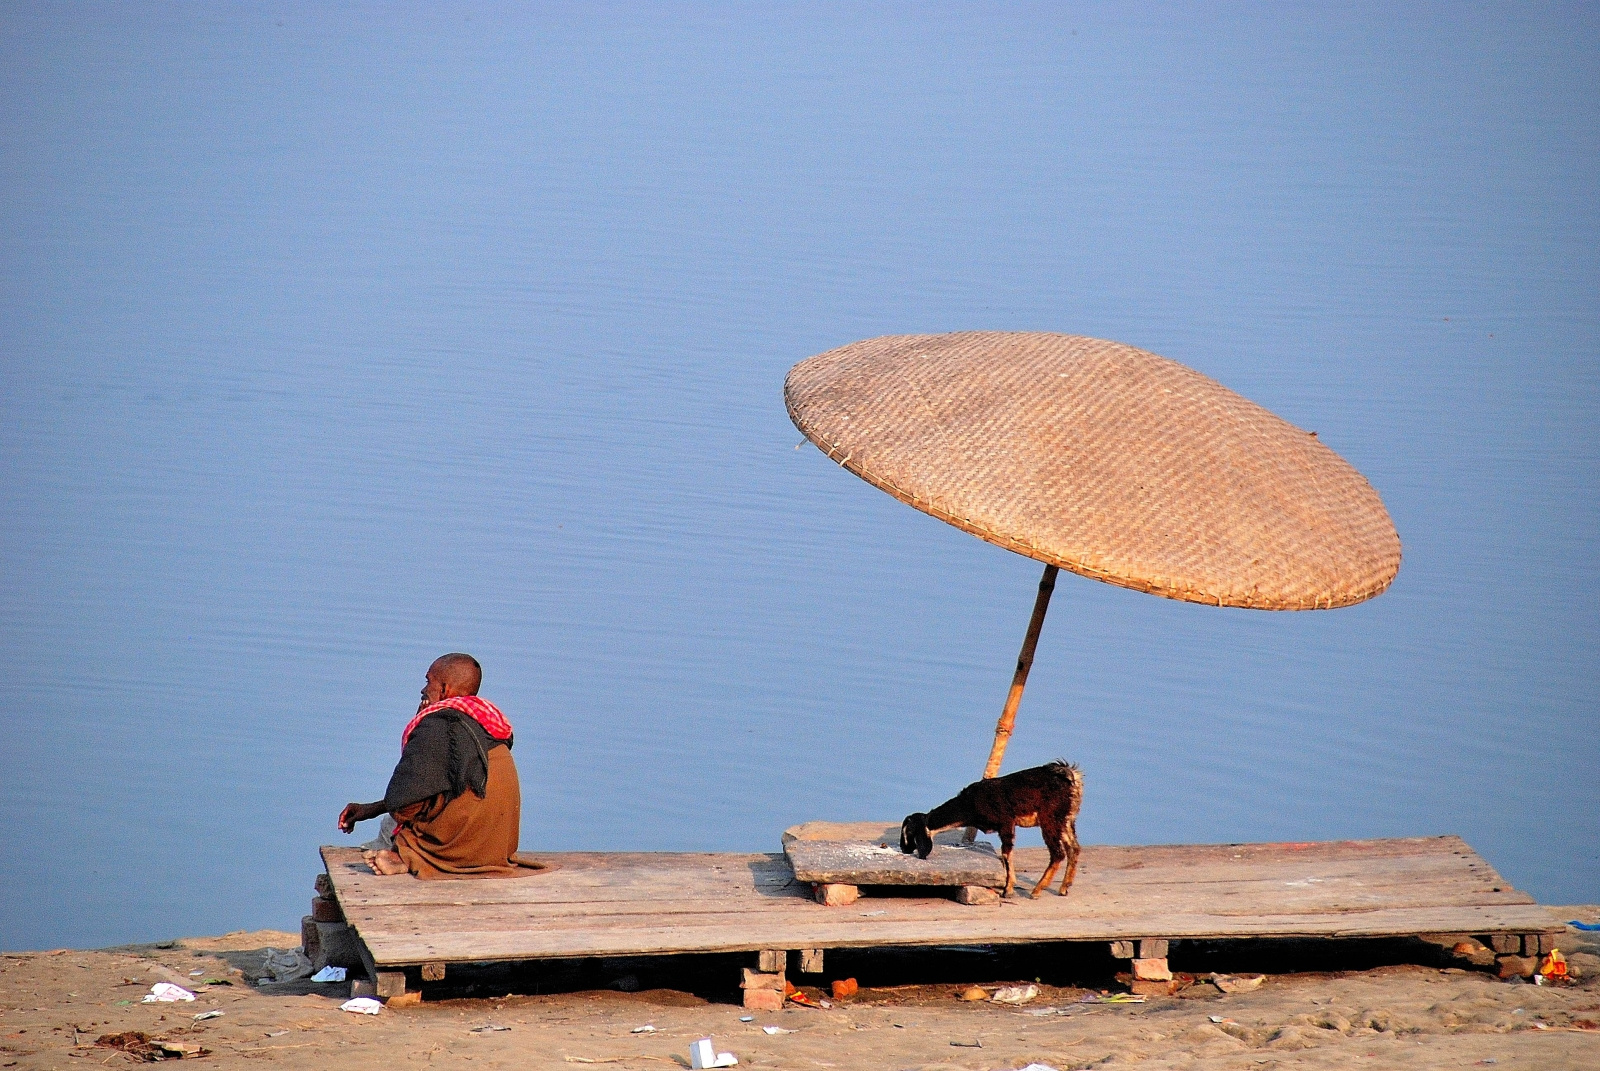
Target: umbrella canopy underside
[(1103, 459)]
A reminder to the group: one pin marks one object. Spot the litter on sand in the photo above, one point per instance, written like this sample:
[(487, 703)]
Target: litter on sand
[(361, 1006), (1111, 998), (329, 974), (1238, 983), (214, 1013), (286, 966), (196, 974), (1037, 1067), (1014, 994), (747, 1018), (166, 993), (796, 996), (147, 1049), (646, 1029), (775, 1030), (702, 1055), (489, 1028), (1590, 926)]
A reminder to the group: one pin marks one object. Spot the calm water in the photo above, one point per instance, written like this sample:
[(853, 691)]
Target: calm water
[(332, 342)]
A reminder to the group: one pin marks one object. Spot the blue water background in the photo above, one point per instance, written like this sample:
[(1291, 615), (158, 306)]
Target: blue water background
[(335, 340)]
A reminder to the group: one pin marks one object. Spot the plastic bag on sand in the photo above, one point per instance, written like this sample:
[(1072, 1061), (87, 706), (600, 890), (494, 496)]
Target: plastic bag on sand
[(290, 965), (1015, 994), (1238, 983), (166, 993), (361, 1005), (1037, 1067)]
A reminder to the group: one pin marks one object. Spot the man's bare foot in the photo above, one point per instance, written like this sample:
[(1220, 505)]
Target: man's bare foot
[(387, 863)]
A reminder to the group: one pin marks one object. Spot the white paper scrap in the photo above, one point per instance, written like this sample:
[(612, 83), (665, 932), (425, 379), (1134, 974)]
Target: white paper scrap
[(702, 1055), (361, 1005), (214, 1013), (1015, 994), (776, 1030), (646, 1029), (166, 993)]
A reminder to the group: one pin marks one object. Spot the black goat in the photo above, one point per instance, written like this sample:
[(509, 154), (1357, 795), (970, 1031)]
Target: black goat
[(1045, 796)]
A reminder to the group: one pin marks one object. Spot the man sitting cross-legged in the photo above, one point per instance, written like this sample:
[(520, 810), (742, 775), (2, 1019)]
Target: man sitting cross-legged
[(454, 795)]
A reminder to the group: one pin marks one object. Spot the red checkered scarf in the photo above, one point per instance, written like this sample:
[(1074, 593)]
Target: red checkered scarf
[(479, 710)]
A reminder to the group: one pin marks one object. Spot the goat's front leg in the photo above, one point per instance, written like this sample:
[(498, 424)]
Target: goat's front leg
[(1073, 851), (1008, 837)]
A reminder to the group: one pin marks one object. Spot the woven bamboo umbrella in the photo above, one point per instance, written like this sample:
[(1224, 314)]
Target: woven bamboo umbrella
[(1103, 459)]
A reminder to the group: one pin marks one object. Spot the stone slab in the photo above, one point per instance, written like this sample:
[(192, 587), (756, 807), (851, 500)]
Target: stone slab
[(831, 862)]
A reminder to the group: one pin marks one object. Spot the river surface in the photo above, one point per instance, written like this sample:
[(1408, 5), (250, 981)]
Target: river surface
[(333, 341)]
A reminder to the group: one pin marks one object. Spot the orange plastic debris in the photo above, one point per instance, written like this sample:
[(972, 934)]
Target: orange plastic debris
[(796, 996), (844, 988), (1554, 965)]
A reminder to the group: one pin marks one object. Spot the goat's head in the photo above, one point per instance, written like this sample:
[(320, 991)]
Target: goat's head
[(914, 836)]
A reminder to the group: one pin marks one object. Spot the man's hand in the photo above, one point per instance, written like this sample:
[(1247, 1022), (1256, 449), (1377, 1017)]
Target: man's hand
[(358, 812)]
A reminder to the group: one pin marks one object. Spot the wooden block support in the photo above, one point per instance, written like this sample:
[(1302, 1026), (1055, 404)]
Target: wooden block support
[(750, 979), (433, 972), (811, 961), (772, 960), (977, 895), (1507, 944), (1517, 966), (1122, 950), (324, 885), (1538, 944), (363, 987), (1144, 988), (310, 938), (1153, 948), (326, 909), (763, 990), (764, 1000), (831, 895), (390, 984), (1151, 970)]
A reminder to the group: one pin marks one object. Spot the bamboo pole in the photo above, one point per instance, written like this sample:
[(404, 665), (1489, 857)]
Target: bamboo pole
[(1019, 680)]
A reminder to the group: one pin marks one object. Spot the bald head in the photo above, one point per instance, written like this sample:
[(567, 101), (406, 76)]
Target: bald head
[(453, 675)]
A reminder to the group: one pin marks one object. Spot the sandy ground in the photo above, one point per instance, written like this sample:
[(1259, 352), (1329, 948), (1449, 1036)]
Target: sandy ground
[(1384, 1004)]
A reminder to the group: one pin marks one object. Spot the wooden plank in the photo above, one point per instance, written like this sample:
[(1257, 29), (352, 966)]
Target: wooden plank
[(744, 933), (647, 878), (1112, 924), (865, 863), (1088, 897), (1243, 897)]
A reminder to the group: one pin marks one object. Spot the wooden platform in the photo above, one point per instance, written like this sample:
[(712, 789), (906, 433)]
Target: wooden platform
[(615, 904)]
